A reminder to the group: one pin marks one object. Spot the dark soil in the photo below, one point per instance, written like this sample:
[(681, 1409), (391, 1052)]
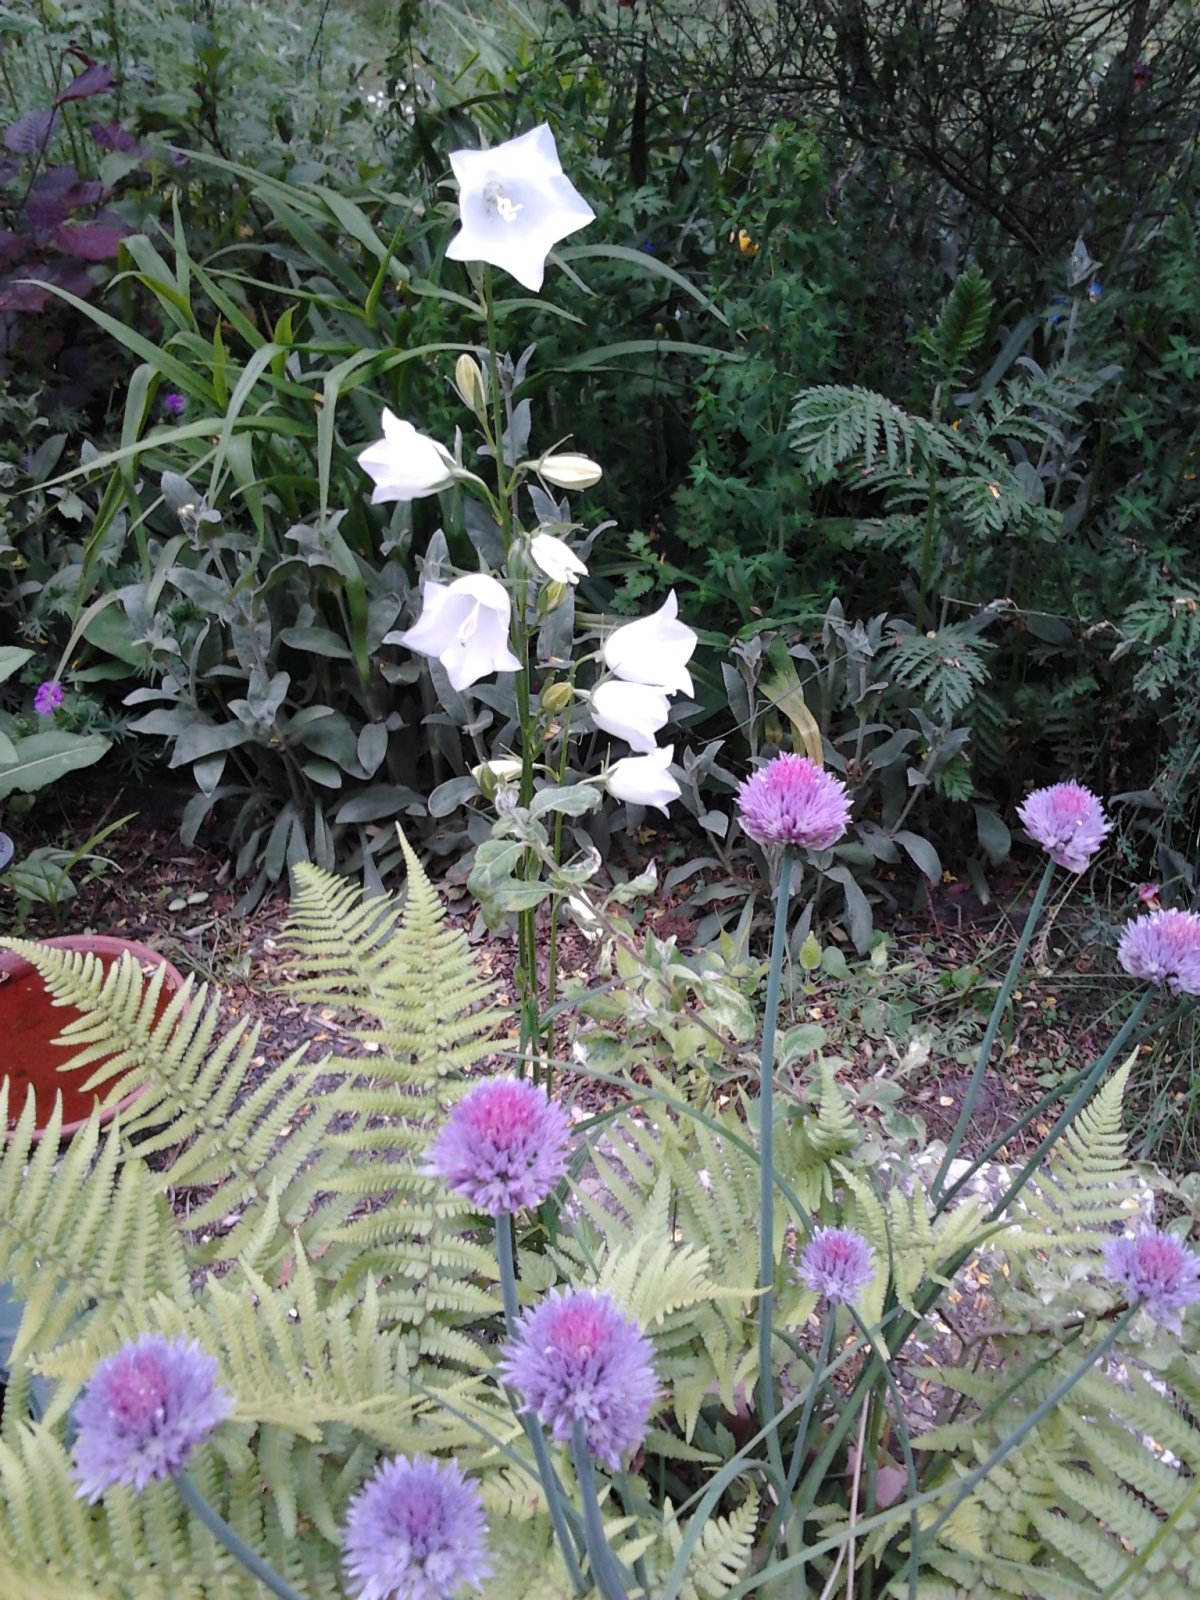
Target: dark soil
[(945, 962)]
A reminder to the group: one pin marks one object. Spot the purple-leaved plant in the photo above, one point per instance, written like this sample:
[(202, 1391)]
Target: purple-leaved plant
[(1155, 1269), (415, 1531), (793, 801), (1163, 947), (1068, 822), (504, 1146), (576, 1357), (144, 1412), (836, 1263)]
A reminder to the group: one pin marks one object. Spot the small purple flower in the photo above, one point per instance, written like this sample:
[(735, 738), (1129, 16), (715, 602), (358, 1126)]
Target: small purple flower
[(504, 1146), (144, 1412), (1163, 947), (1156, 1269), (836, 1262), (1067, 821), (577, 1358), (48, 698), (1148, 895), (416, 1531), (176, 404), (793, 801)]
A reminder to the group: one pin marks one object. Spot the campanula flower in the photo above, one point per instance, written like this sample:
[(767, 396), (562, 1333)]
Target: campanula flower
[(630, 711), (515, 205), (654, 650), (405, 464), (644, 780), (464, 625)]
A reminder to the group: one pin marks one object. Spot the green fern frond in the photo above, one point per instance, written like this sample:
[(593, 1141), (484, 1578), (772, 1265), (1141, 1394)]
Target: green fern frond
[(961, 327), (832, 427)]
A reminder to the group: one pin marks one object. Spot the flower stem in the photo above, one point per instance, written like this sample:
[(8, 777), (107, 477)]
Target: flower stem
[(533, 1432), (1007, 1446), (1068, 1113), (766, 1148), (604, 1566), (527, 981), (220, 1529), (989, 1038)]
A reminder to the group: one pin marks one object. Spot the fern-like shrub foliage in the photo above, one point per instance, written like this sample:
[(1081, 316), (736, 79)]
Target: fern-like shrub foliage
[(287, 1224)]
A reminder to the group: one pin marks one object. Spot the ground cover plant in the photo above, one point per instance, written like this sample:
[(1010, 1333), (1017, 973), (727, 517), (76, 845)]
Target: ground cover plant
[(405, 1328)]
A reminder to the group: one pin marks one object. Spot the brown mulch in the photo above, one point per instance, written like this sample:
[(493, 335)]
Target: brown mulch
[(180, 900)]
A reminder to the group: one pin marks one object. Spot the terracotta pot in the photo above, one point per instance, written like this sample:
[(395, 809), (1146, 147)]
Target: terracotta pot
[(30, 1022)]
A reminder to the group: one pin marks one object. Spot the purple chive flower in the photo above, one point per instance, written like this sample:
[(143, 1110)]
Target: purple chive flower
[(416, 1531), (1163, 947), (1067, 821), (576, 1357), (1156, 1269), (176, 404), (48, 698), (836, 1262), (793, 801), (504, 1146), (144, 1412)]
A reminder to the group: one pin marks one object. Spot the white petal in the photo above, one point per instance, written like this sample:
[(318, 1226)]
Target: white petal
[(654, 650), (645, 780), (556, 559), (630, 711), (487, 590), (515, 205)]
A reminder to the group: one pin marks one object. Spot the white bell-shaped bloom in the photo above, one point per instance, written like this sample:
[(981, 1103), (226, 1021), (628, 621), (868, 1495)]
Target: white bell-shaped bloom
[(645, 780), (556, 559), (405, 464), (464, 625), (568, 471), (630, 711), (515, 205), (654, 650)]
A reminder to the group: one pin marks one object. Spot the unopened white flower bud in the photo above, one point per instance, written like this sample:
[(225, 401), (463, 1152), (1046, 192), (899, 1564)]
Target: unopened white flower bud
[(569, 471)]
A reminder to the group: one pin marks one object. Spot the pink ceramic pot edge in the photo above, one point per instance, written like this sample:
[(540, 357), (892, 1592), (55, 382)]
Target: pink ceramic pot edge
[(100, 944)]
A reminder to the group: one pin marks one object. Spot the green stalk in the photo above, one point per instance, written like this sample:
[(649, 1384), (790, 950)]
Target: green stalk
[(1070, 1110), (766, 1147), (220, 1529), (1007, 1446), (552, 955), (989, 1039), (783, 1511), (1068, 1084), (604, 1565), (527, 982), (533, 1431)]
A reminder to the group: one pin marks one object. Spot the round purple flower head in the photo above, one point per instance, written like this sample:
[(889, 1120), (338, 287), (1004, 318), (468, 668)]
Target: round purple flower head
[(1067, 821), (176, 404), (1156, 1269), (504, 1145), (1163, 947), (48, 698), (793, 801), (144, 1412), (577, 1358), (836, 1262), (415, 1531)]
